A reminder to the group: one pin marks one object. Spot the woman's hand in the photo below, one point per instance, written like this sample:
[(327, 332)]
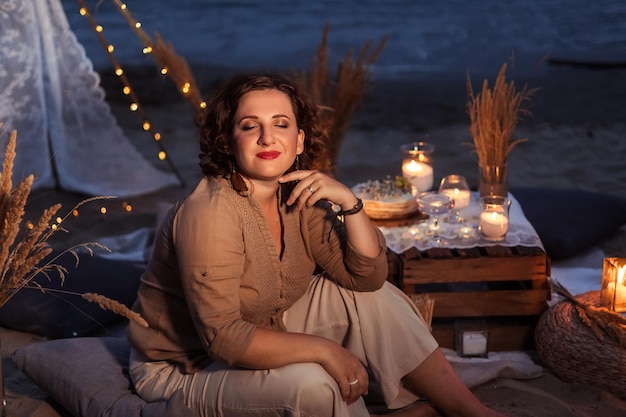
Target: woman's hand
[(314, 186), (347, 370), (273, 349)]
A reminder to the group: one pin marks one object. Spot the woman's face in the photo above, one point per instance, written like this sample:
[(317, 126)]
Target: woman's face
[(266, 138)]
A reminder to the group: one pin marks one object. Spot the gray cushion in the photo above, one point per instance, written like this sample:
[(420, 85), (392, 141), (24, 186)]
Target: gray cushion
[(89, 377), (570, 221), (56, 315)]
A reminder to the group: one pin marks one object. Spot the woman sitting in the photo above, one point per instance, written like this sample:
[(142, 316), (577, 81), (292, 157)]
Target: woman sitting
[(238, 320)]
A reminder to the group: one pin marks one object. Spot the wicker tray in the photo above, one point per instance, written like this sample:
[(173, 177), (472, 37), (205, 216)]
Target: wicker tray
[(571, 350)]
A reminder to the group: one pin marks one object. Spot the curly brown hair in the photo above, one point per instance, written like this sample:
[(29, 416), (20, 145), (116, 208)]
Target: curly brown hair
[(216, 123)]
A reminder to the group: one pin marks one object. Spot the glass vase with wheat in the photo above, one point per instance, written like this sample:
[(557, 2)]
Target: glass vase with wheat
[(494, 113)]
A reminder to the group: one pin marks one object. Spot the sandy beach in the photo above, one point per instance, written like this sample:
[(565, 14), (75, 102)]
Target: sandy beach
[(575, 136), (576, 140)]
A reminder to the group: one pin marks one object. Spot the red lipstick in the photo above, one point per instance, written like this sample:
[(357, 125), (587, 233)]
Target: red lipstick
[(268, 155)]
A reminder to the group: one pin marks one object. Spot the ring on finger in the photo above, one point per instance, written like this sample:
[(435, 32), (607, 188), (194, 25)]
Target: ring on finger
[(356, 381), (311, 190)]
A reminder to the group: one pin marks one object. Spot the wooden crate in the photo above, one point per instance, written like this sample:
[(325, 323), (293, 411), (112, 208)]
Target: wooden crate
[(505, 286)]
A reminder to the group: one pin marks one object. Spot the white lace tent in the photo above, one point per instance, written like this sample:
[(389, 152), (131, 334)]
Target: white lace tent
[(50, 94)]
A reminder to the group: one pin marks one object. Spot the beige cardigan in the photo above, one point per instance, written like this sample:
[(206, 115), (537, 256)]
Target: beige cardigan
[(215, 274)]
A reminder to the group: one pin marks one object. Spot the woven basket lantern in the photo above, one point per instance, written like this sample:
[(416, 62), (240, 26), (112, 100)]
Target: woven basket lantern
[(573, 352)]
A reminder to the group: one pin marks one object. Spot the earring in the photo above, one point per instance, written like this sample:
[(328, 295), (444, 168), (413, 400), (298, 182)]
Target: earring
[(236, 180), (297, 162)]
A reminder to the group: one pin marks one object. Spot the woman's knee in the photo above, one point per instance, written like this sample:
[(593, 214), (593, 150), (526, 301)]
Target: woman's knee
[(315, 392)]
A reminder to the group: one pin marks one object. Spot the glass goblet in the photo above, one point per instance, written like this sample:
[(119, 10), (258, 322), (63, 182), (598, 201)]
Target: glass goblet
[(435, 204), (456, 187)]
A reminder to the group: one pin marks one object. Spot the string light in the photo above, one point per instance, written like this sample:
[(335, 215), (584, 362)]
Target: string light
[(164, 55), (127, 89)]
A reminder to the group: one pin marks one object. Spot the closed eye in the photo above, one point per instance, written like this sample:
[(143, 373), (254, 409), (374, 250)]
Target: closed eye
[(282, 122)]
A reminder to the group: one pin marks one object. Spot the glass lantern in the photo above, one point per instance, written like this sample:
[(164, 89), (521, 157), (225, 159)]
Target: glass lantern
[(613, 291)]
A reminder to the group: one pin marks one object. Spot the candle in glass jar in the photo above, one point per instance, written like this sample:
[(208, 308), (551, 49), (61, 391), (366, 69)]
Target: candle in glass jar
[(419, 174), (493, 224), (461, 197), (474, 343)]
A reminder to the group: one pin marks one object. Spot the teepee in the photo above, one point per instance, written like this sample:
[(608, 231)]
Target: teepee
[(50, 94)]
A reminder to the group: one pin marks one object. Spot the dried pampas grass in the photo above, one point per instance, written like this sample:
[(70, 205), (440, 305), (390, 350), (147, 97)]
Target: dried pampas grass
[(338, 98), (494, 114), (22, 251)]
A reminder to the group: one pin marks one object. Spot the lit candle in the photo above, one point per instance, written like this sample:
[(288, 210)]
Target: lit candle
[(617, 293), (419, 174), (493, 225), (461, 197), (474, 343)]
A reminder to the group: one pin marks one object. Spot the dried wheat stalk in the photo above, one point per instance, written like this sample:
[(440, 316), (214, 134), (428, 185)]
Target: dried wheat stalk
[(601, 321), (118, 308), (22, 252), (425, 305), (178, 70), (494, 114), (339, 97)]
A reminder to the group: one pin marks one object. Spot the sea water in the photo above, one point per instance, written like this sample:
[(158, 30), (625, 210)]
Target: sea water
[(424, 36)]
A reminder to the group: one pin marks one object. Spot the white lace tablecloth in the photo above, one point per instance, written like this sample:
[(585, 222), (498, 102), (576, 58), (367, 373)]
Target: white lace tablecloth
[(462, 235)]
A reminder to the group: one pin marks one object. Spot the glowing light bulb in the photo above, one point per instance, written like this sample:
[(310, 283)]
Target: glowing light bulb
[(30, 225), (53, 227), (82, 11), (119, 72), (157, 136), (137, 25), (75, 213), (99, 28), (123, 6), (203, 105), (133, 106), (110, 48), (186, 88), (147, 50), (126, 90), (162, 156), (146, 125), (103, 210), (163, 71), (59, 220)]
